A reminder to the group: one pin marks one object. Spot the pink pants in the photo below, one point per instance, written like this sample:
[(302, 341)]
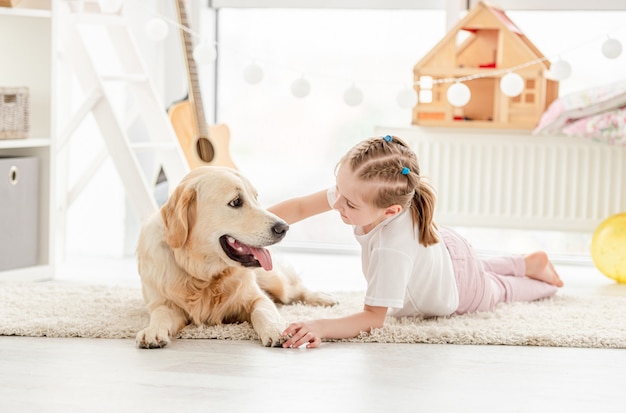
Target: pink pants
[(485, 282)]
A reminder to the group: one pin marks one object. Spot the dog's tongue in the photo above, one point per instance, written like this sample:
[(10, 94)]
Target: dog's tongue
[(263, 256)]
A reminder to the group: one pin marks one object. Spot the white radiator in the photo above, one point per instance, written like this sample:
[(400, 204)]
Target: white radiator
[(511, 179)]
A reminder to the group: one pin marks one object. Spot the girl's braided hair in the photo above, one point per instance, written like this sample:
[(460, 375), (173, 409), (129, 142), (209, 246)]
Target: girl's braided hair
[(389, 162)]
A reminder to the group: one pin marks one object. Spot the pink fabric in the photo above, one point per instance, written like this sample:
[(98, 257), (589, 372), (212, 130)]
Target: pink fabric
[(608, 127), (581, 104), (485, 282)]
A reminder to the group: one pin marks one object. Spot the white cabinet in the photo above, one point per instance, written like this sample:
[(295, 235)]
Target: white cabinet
[(26, 59)]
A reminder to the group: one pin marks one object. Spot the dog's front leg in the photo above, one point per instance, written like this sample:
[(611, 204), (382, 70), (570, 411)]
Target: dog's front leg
[(164, 323), (267, 322)]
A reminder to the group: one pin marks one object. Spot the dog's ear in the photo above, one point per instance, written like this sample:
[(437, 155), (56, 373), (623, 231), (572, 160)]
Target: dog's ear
[(178, 215)]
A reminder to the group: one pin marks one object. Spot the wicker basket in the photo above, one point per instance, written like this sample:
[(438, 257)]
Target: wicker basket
[(13, 112), (9, 3)]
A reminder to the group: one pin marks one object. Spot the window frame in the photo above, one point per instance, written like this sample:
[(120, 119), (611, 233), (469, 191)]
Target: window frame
[(460, 5)]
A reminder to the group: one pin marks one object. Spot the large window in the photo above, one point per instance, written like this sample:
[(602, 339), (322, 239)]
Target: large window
[(289, 146)]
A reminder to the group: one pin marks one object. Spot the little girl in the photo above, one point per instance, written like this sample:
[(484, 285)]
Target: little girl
[(411, 266)]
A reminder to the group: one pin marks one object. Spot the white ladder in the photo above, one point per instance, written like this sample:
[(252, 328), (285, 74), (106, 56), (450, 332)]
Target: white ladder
[(162, 141)]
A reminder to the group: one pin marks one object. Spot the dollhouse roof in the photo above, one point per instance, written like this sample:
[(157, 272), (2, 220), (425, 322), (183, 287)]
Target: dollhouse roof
[(485, 17)]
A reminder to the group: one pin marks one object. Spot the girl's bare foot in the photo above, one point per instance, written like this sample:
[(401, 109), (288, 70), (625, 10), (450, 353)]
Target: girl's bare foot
[(539, 267)]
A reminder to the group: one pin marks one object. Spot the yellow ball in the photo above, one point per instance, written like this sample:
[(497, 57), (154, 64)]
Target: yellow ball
[(608, 247)]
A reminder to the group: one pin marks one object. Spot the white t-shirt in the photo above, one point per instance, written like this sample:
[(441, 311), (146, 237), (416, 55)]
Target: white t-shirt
[(401, 273)]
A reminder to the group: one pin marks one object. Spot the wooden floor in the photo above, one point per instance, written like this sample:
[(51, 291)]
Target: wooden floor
[(85, 375)]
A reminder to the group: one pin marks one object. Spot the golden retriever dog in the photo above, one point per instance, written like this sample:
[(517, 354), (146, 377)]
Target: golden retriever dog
[(202, 260)]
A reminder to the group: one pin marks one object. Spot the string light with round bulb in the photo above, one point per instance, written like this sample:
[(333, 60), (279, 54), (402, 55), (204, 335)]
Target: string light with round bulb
[(252, 74), (300, 87), (611, 48), (156, 29), (353, 96), (458, 94), (406, 98), (204, 53), (560, 70), (511, 84)]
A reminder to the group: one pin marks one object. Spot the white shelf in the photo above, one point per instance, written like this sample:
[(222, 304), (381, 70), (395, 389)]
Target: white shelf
[(28, 60), (24, 143), (4, 11)]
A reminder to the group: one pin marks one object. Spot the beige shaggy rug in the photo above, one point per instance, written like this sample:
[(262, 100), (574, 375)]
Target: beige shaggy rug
[(52, 309)]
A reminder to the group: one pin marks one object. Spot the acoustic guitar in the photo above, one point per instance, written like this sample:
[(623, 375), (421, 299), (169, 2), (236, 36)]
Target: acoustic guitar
[(202, 144)]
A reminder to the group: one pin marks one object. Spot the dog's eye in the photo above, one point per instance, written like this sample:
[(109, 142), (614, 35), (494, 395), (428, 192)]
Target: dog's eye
[(236, 203)]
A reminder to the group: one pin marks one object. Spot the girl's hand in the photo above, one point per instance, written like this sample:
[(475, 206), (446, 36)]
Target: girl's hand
[(301, 333), (312, 332)]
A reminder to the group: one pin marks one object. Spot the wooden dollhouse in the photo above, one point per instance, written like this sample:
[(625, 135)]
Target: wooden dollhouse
[(482, 46)]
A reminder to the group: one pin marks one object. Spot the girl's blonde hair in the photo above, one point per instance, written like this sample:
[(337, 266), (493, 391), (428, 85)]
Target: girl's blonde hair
[(390, 162)]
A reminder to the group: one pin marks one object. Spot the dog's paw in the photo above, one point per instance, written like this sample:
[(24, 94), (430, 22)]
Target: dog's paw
[(272, 336), (318, 298), (152, 338)]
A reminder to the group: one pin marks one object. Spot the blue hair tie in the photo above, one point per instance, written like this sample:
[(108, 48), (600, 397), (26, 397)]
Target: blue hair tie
[(387, 138), (405, 171)]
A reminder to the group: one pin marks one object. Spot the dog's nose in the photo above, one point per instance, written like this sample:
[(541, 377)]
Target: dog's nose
[(280, 229)]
